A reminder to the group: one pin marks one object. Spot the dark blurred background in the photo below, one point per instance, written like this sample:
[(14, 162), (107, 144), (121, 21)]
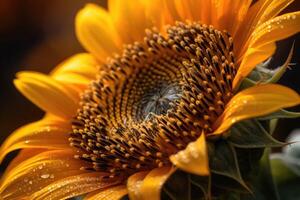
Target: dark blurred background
[(37, 35)]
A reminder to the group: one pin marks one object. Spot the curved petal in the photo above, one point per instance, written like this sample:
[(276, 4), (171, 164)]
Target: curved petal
[(46, 133), (78, 70), (255, 101), (258, 13), (130, 19), (231, 13), (112, 193), (276, 29), (96, 32), (262, 44), (154, 181), (73, 186), (47, 93), (36, 172), (23, 155), (134, 184), (252, 58), (193, 158)]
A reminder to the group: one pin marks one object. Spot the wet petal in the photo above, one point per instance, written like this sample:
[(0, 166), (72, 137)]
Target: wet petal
[(46, 133), (276, 29), (96, 32), (256, 101), (47, 93), (258, 13), (262, 44), (112, 193), (36, 172), (130, 19), (134, 184), (193, 158), (73, 186), (154, 181)]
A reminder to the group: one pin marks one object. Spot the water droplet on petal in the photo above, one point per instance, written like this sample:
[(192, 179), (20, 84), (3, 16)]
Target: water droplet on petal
[(45, 175)]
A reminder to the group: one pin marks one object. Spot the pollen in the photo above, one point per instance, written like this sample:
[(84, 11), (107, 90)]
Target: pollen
[(154, 99)]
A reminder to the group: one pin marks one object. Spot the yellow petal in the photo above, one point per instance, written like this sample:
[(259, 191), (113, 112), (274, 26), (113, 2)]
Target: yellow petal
[(130, 19), (276, 29), (154, 181), (134, 184), (255, 101), (23, 155), (46, 133), (193, 158), (47, 93), (231, 14), (195, 10), (268, 9), (262, 44), (252, 58), (258, 13), (96, 32), (36, 172), (112, 193), (82, 64), (73, 186)]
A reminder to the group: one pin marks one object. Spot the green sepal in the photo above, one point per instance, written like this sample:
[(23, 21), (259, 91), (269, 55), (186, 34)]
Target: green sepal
[(261, 74), (281, 114), (278, 72), (251, 134), (223, 161)]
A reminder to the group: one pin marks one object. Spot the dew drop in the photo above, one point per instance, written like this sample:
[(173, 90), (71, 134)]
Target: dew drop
[(30, 182), (45, 175)]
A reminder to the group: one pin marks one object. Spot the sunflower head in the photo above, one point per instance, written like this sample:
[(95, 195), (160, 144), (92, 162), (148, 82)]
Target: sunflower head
[(155, 99), (164, 98)]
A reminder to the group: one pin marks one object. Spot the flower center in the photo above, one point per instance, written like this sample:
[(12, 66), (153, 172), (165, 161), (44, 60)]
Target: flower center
[(154, 99)]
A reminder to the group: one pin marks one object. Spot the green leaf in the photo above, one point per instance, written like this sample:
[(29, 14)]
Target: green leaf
[(263, 184), (223, 161), (178, 186), (201, 182), (281, 114), (251, 134)]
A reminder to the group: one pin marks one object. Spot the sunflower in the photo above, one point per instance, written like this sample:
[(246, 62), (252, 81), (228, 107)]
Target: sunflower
[(159, 92)]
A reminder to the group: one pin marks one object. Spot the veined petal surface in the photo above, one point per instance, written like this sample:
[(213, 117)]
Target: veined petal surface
[(47, 93), (36, 172), (255, 101), (46, 133)]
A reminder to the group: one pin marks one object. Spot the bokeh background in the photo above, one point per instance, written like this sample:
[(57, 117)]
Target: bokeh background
[(37, 35)]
